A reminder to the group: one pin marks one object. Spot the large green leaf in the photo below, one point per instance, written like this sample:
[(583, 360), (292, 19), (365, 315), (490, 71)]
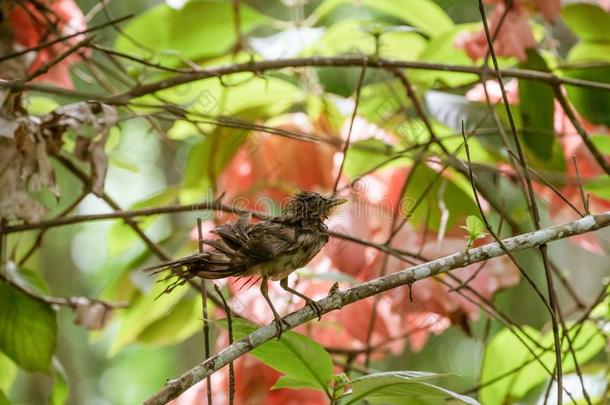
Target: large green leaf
[(537, 111), (506, 353), (430, 187), (28, 329), (3, 399), (503, 353), (295, 355), (590, 103), (144, 311), (8, 372), (426, 15), (351, 36), (201, 29), (599, 186), (400, 387), (60, 390), (442, 49), (122, 237), (367, 155), (182, 321), (588, 21)]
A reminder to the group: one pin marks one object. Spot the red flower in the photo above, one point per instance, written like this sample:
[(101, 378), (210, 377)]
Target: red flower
[(33, 25)]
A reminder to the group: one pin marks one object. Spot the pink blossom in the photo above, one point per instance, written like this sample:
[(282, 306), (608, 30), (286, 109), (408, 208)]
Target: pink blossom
[(514, 38), (477, 93)]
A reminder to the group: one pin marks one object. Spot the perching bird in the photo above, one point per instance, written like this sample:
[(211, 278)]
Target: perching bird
[(269, 249)]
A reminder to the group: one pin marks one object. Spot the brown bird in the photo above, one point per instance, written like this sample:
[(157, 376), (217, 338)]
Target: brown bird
[(270, 249)]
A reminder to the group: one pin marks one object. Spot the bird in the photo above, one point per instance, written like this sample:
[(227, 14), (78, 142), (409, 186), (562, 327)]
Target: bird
[(270, 249)]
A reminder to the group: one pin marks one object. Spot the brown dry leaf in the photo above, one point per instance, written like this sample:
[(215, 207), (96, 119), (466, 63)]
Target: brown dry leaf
[(91, 314), (75, 117)]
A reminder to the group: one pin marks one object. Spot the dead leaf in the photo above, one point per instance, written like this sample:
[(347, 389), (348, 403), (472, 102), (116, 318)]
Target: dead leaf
[(91, 314)]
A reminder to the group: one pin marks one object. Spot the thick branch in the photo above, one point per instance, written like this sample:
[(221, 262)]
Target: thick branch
[(338, 299)]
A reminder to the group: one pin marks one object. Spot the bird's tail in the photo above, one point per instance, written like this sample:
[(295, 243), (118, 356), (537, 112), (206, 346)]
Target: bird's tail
[(206, 265)]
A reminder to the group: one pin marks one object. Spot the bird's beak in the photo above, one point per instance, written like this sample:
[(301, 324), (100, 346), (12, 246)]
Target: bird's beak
[(337, 201)]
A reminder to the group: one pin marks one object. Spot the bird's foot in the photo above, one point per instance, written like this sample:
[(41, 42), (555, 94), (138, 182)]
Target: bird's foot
[(278, 326), (315, 307)]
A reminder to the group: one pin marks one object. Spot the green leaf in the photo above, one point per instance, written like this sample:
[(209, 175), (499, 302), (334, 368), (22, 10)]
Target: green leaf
[(201, 29), (364, 156), (206, 160), (592, 104), (601, 142), (295, 355), (182, 321), (398, 386), (537, 111), (28, 329), (350, 36), (430, 187), (8, 372), (590, 22), (294, 383), (3, 399), (505, 353), (60, 390), (122, 237), (442, 49), (474, 226), (599, 187), (144, 311), (38, 105), (426, 15)]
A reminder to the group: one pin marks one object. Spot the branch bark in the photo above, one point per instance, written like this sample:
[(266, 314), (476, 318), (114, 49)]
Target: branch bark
[(337, 299)]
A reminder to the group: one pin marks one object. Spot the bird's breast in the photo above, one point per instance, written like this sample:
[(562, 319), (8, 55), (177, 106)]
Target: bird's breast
[(307, 246)]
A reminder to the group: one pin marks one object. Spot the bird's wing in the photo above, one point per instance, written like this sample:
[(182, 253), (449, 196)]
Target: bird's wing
[(234, 234), (267, 240)]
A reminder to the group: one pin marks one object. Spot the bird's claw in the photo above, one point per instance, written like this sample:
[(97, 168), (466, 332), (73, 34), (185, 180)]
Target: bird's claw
[(278, 326), (315, 307)]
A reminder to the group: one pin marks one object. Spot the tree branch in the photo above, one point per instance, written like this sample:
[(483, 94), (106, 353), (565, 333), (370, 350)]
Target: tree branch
[(338, 299), (339, 61)]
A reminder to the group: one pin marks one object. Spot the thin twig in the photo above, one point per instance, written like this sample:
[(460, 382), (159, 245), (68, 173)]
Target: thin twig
[(227, 310), (204, 312), (351, 125)]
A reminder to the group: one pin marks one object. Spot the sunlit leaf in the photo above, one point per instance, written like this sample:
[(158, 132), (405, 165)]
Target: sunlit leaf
[(295, 355), (144, 311), (121, 236), (369, 155), (588, 21), (351, 37), (182, 321), (427, 187), (426, 15), (601, 142), (442, 49), (28, 329), (592, 104), (3, 399), (60, 390), (286, 381), (201, 29), (8, 372), (399, 386), (506, 355), (537, 109), (599, 187)]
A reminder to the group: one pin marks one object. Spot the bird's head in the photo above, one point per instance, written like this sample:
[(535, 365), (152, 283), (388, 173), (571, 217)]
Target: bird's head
[(308, 205)]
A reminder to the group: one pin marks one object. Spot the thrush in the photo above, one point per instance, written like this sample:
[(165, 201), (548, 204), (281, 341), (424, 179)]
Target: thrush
[(270, 249)]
